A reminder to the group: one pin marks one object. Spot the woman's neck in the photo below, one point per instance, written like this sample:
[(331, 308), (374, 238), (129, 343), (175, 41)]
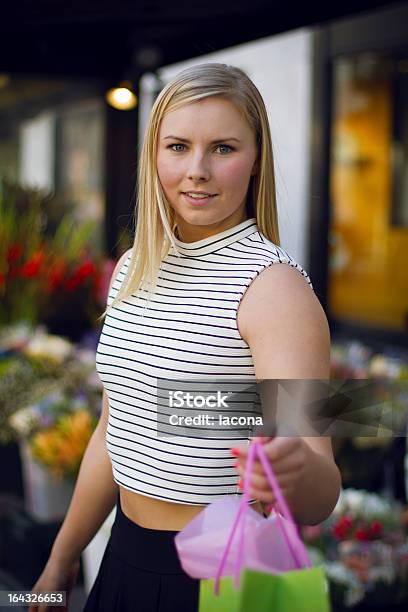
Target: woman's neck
[(187, 232)]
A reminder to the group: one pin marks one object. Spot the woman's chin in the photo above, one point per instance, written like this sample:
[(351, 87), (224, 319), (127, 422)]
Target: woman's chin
[(196, 217)]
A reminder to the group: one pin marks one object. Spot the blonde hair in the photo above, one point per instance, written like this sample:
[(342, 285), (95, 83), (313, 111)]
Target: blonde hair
[(154, 217)]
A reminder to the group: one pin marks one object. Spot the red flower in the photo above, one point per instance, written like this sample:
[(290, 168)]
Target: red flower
[(32, 266), (339, 532), (375, 529), (344, 522), (342, 527), (82, 272), (72, 283), (14, 252), (362, 535), (56, 276), (85, 269)]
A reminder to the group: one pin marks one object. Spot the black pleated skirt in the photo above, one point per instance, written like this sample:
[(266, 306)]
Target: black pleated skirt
[(140, 572)]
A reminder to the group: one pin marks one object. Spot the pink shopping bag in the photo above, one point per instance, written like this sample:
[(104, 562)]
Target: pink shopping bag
[(228, 535)]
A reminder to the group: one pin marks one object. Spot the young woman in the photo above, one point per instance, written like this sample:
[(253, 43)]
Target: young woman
[(200, 294)]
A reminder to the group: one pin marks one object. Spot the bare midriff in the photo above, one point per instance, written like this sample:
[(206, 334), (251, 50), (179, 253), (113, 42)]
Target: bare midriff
[(159, 514)]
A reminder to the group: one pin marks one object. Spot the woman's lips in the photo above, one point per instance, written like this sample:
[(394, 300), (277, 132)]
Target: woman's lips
[(198, 201)]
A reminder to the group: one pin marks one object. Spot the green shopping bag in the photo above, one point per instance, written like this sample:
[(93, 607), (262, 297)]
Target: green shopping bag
[(299, 589), (303, 590)]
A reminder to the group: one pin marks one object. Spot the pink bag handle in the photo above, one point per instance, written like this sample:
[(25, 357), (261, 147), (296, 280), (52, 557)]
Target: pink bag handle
[(297, 548)]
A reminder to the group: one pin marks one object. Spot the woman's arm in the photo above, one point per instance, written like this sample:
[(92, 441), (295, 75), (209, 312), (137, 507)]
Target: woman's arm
[(93, 499), (286, 328)]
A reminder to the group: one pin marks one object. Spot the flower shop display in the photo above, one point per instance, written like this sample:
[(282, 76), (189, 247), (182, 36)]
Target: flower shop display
[(363, 548), (353, 359), (50, 401), (376, 462), (49, 270)]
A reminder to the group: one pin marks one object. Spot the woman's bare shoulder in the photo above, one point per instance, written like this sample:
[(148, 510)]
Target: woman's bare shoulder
[(284, 324)]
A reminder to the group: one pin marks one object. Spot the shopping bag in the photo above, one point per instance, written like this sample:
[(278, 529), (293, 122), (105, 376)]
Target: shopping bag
[(295, 591), (259, 562), (200, 545)]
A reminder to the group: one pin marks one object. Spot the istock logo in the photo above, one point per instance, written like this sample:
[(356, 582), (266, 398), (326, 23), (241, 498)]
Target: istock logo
[(181, 399)]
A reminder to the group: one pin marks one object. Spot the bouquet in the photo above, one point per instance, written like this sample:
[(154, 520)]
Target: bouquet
[(50, 399), (48, 270), (58, 430), (363, 548)]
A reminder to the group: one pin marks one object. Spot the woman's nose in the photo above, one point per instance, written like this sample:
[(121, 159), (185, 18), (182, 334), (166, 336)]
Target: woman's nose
[(198, 169)]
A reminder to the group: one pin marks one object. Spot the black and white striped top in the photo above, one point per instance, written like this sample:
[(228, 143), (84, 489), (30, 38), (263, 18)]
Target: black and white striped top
[(188, 329)]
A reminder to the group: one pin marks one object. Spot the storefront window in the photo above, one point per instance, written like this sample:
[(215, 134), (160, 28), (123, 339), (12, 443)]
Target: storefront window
[(368, 237)]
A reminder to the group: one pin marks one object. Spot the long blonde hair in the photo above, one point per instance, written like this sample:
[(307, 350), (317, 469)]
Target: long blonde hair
[(154, 217)]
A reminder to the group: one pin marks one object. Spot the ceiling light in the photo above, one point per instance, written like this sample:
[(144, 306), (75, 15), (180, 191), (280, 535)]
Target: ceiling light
[(122, 97)]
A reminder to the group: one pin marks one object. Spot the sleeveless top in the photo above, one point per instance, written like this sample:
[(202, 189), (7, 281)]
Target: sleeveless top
[(187, 328)]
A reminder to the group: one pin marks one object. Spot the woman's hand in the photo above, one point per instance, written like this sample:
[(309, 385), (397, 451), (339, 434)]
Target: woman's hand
[(287, 457), (55, 578)]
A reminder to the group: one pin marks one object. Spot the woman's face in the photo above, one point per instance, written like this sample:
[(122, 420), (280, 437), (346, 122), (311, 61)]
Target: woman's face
[(206, 147)]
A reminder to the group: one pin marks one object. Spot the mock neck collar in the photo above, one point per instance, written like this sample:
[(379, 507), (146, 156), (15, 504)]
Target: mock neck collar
[(217, 241)]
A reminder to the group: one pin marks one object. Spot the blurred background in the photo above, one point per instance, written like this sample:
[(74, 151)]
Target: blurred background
[(76, 88)]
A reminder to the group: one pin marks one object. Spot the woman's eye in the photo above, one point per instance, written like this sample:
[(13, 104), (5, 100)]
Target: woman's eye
[(176, 145), (223, 146)]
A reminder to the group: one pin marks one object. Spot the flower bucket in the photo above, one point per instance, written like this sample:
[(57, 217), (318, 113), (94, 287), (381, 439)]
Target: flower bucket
[(46, 498)]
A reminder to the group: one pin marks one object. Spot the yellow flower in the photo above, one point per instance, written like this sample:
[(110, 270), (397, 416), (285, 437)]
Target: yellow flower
[(61, 448)]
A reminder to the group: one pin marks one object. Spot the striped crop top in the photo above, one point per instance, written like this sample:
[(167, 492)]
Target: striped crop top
[(187, 329)]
